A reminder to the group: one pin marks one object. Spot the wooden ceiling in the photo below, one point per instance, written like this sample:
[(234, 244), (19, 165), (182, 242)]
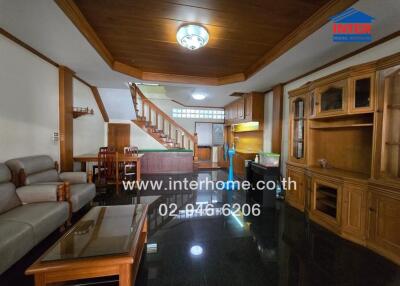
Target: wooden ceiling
[(138, 37)]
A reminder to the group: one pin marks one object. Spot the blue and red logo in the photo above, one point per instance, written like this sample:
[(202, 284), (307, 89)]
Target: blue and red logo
[(352, 26)]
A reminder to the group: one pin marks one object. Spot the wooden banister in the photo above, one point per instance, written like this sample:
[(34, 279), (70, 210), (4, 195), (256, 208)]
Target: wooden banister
[(138, 94)]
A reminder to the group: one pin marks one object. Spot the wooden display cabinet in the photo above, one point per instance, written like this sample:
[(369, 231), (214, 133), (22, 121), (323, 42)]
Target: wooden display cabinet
[(295, 195), (352, 120), (362, 97)]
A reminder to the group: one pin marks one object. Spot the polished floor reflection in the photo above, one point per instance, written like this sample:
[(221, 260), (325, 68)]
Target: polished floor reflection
[(279, 247)]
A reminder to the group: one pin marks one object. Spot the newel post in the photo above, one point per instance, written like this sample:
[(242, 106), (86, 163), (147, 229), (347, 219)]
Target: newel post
[(195, 149)]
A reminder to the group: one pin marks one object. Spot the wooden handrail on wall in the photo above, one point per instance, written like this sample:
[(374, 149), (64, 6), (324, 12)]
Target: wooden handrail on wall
[(146, 110)]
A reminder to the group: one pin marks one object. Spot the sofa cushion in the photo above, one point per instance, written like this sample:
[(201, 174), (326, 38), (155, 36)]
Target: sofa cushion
[(44, 218), (16, 239), (8, 197), (5, 174), (81, 194), (32, 164), (42, 177)]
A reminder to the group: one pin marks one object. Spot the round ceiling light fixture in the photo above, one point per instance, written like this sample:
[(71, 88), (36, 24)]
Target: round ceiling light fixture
[(196, 250), (198, 96), (192, 36)]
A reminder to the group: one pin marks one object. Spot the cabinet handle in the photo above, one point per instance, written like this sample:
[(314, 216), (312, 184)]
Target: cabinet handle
[(316, 103), (372, 210)]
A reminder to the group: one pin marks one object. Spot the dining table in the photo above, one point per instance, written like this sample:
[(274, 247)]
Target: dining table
[(119, 157)]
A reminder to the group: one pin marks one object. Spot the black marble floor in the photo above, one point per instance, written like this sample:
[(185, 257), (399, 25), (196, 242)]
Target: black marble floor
[(279, 247)]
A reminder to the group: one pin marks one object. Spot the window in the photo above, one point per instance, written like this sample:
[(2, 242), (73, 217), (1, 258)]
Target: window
[(198, 113)]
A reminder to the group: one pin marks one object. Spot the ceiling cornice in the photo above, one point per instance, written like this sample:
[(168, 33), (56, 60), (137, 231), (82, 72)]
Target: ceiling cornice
[(312, 24)]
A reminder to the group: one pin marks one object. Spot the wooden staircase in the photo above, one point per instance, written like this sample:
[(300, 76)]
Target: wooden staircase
[(160, 125)]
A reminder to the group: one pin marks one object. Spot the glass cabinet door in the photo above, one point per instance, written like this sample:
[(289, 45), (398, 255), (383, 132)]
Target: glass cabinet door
[(332, 99), (298, 128), (361, 94), (390, 164)]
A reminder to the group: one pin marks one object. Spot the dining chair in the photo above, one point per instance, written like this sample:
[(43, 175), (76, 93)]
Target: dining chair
[(130, 167), (96, 166), (107, 165)]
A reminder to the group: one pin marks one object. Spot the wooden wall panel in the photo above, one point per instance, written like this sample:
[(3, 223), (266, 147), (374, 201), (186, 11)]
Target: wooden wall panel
[(66, 118), (277, 118)]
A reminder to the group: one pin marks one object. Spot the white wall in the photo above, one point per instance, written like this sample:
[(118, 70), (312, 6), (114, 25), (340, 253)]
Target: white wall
[(89, 130), (28, 103), (268, 110), (139, 137), (385, 49)]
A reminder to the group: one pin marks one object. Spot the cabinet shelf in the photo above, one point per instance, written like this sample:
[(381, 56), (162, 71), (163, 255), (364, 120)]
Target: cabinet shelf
[(327, 203), (81, 111), (343, 126), (394, 106)]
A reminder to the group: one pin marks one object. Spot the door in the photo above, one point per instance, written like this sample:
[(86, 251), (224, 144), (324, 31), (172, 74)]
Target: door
[(119, 136), (361, 93), (332, 99), (295, 192), (384, 224), (240, 108), (297, 129), (353, 212), (248, 107)]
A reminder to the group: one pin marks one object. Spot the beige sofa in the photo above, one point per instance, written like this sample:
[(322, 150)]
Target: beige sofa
[(43, 169), (27, 216)]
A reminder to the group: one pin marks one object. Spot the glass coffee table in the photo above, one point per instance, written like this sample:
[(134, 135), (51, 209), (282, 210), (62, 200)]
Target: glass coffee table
[(107, 241)]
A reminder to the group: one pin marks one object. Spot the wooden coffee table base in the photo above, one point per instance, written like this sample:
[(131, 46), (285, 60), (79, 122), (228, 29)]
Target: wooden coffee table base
[(124, 266)]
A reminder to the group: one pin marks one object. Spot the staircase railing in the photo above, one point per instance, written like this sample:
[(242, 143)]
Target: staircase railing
[(147, 111)]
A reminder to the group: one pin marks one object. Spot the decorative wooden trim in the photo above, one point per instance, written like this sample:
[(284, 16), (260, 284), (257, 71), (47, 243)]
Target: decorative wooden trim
[(127, 69), (100, 104), (76, 16), (312, 24), (66, 118), (349, 55), (179, 78), (28, 47), (237, 77), (277, 116), (82, 81)]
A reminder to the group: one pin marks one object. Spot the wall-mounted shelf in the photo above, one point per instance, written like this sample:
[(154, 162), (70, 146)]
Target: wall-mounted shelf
[(81, 111)]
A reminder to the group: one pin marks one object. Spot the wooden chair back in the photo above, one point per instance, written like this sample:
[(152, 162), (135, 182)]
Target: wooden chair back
[(106, 165)]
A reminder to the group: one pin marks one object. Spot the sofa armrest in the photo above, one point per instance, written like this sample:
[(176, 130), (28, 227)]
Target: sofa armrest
[(41, 193), (74, 177)]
